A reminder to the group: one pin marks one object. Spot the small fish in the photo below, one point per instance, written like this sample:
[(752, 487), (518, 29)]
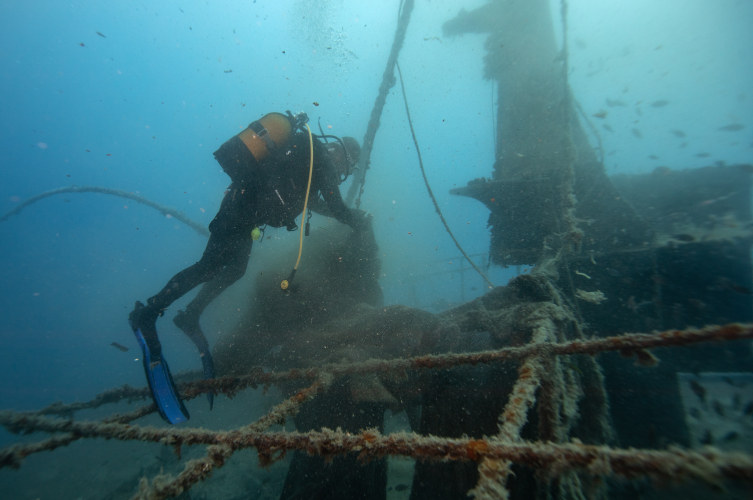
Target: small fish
[(748, 410), (660, 103), (718, 408), (736, 401), (653, 157), (82, 44), (678, 133), (316, 104), (601, 114), (228, 71), (684, 145), (707, 438), (698, 390), (727, 128), (432, 38), (698, 304), (401, 487), (612, 103), (637, 133), (121, 347), (723, 283), (661, 280), (703, 155), (574, 368), (100, 34), (731, 436), (607, 127), (684, 237)]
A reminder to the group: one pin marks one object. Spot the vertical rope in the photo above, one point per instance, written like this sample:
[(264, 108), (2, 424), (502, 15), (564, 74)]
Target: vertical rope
[(431, 194), (388, 81)]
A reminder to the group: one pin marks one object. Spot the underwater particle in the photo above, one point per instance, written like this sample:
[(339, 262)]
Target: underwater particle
[(35, 294), (201, 209), (596, 297), (707, 438), (15, 199), (82, 44), (718, 408), (731, 436), (120, 347), (581, 274), (108, 154), (87, 151), (607, 127), (637, 133), (703, 155), (612, 103), (678, 133), (653, 157), (660, 103), (168, 216), (42, 145), (100, 34), (228, 71), (695, 413), (316, 103), (731, 128), (698, 390), (601, 114)]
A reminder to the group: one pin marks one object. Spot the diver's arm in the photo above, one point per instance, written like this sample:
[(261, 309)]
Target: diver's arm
[(319, 206), (329, 186)]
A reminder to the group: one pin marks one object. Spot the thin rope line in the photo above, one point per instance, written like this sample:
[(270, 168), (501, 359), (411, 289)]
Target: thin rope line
[(428, 188)]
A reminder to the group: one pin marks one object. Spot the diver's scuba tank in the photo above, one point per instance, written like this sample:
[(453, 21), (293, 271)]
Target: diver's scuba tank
[(263, 137)]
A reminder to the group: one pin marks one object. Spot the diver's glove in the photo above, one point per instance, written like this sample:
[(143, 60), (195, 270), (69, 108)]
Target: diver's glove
[(144, 318), (360, 220)]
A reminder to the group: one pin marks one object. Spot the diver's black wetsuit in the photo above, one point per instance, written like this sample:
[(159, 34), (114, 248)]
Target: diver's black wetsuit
[(271, 192)]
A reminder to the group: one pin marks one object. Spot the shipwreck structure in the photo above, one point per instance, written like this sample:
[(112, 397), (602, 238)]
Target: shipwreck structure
[(504, 394)]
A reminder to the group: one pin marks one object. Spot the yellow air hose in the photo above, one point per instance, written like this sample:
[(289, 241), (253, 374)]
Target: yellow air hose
[(285, 284)]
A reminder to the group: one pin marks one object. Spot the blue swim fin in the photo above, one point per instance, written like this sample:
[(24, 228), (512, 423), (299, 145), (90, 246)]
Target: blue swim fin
[(165, 394)]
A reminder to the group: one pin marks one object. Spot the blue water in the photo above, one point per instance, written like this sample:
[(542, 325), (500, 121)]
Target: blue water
[(143, 107)]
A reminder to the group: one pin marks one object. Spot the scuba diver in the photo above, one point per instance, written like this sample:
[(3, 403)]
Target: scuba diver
[(275, 165)]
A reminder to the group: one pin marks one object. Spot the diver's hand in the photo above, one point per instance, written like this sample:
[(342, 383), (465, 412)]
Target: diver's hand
[(360, 219)]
